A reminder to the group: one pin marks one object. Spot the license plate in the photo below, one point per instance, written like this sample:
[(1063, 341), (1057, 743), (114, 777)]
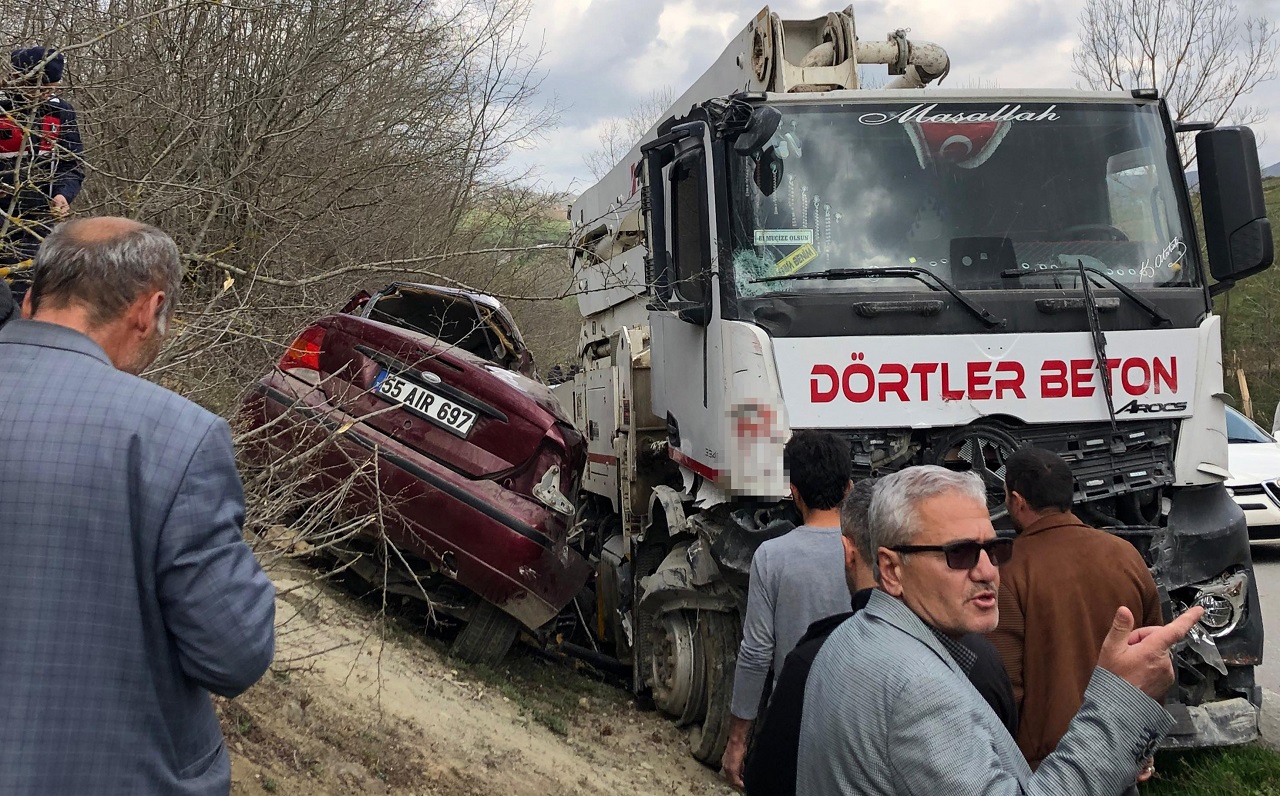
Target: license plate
[(426, 403)]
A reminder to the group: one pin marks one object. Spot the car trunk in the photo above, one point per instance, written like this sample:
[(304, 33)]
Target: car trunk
[(434, 394)]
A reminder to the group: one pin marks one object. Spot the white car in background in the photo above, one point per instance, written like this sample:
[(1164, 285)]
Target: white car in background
[(1253, 457)]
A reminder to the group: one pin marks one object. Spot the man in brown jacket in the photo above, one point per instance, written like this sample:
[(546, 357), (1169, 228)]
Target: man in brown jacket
[(1058, 597)]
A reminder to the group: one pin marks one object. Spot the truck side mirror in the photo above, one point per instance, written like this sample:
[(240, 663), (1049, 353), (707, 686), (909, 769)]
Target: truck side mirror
[(761, 126), (1237, 232)]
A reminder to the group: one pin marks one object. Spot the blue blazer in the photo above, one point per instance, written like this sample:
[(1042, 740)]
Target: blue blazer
[(127, 592), (888, 711)]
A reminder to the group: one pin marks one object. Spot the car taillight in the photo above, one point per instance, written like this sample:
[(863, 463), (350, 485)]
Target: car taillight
[(304, 352)]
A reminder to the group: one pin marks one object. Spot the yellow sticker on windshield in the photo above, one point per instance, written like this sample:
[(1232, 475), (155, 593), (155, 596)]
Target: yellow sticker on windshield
[(796, 260)]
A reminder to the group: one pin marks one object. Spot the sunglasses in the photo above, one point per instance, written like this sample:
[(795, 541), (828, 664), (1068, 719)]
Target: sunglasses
[(964, 553)]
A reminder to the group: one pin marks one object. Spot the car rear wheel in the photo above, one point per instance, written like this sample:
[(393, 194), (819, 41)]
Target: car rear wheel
[(487, 637)]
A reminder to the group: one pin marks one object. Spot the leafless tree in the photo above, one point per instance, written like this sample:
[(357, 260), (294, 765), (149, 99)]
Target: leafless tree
[(286, 144), (1200, 54), (619, 134)]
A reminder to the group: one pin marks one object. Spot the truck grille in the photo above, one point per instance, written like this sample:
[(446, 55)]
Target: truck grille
[(1135, 457)]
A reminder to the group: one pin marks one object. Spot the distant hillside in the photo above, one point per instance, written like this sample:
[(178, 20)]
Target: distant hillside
[(1193, 177)]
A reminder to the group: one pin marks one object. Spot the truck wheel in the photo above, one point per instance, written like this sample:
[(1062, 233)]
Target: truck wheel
[(487, 637), (678, 672), (718, 633)]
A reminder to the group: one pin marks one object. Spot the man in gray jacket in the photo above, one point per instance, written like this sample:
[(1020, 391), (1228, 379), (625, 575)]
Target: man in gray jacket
[(888, 708), (127, 592)]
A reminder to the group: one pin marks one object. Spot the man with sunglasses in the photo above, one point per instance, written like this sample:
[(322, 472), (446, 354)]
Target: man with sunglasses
[(771, 771), (888, 708), (1058, 597)]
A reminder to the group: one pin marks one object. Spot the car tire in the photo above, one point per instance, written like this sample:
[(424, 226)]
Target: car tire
[(487, 637)]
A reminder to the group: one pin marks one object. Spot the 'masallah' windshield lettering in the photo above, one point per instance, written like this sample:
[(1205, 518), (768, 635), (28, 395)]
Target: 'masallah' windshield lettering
[(925, 114)]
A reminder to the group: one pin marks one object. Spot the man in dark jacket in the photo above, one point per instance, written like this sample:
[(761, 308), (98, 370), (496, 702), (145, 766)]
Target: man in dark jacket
[(40, 149), (771, 770)]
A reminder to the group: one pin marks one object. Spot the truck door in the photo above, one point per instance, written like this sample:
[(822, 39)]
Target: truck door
[(688, 379)]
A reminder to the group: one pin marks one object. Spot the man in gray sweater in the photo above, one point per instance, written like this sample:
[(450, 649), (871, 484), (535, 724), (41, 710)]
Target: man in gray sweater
[(796, 580)]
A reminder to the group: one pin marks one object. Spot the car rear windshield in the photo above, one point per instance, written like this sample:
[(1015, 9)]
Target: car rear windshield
[(455, 320)]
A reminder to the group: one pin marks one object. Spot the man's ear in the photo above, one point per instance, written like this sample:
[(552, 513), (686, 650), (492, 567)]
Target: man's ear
[(799, 501), (890, 571), (26, 304), (850, 554), (144, 315)]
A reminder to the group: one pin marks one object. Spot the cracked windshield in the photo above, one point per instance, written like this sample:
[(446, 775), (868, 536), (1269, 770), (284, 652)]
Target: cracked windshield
[(985, 196)]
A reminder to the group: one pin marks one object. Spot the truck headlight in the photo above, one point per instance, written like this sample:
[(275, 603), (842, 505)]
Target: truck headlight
[(1223, 602)]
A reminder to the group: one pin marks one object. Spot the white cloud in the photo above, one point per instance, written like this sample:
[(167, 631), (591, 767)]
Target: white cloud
[(604, 56), (683, 31)]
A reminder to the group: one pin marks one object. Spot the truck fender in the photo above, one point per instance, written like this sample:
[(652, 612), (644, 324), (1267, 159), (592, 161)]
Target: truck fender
[(674, 586), (666, 505)]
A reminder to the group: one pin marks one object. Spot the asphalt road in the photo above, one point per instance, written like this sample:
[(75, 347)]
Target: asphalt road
[(1266, 565)]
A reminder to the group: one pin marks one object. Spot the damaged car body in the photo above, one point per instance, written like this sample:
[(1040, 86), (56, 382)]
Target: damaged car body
[(423, 403)]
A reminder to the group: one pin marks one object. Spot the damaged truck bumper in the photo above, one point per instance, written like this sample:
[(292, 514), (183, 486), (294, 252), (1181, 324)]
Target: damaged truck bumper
[(1203, 558), (1229, 722)]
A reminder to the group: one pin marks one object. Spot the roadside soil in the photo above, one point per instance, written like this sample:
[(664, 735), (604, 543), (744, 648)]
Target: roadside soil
[(362, 699)]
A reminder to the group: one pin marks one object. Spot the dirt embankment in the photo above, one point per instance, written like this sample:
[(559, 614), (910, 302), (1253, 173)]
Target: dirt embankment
[(359, 703)]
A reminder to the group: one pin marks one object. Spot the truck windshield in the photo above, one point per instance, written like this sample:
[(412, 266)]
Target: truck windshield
[(968, 190)]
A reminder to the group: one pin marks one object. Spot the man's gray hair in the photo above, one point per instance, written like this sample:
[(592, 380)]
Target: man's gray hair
[(105, 273), (853, 519), (894, 515)]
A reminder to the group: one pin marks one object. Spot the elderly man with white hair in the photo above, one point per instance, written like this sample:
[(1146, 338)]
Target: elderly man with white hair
[(888, 709)]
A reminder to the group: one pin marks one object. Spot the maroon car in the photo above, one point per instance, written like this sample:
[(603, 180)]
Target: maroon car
[(423, 401)]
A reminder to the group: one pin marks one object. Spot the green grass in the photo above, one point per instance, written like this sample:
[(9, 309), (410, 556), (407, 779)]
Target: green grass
[(1251, 327), (1238, 771)]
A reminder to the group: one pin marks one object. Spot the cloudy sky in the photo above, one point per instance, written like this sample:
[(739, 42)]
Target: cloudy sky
[(603, 56)]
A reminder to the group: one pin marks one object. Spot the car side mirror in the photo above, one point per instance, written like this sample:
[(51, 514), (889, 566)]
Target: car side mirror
[(1236, 229)]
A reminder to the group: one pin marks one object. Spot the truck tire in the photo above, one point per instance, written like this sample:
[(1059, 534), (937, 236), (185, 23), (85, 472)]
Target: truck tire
[(487, 637), (719, 635)]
